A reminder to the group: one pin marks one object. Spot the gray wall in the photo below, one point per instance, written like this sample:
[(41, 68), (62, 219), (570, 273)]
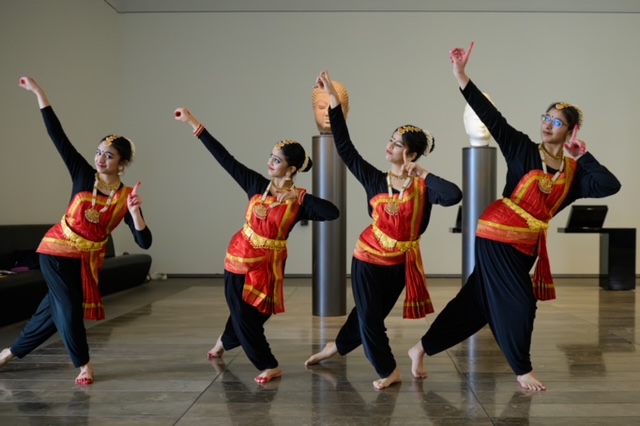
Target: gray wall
[(248, 77)]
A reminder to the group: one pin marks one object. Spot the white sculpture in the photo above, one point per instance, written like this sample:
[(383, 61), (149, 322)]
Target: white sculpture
[(478, 133)]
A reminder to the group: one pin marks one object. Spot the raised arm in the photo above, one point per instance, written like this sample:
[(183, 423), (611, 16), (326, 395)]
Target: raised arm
[(250, 181), (76, 163), (30, 84)]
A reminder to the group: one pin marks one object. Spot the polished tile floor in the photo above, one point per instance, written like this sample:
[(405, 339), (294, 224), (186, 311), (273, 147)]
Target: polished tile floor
[(151, 368)]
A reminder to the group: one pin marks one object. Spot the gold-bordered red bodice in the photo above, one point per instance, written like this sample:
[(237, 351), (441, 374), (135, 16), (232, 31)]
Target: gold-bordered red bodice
[(259, 250), (74, 236), (393, 239), (522, 220)]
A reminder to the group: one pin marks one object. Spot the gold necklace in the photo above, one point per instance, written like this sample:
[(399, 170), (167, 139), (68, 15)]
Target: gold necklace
[(393, 206), (398, 176), (259, 208), (557, 158), (107, 187), (92, 214), (545, 183)]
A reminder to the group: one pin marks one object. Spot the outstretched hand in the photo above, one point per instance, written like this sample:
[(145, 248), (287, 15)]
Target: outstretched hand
[(183, 114), (411, 168), (134, 201), (459, 58), (29, 84), (324, 82), (575, 146)]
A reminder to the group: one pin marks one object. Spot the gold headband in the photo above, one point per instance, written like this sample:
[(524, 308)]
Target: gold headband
[(108, 141), (281, 144), (404, 129), (563, 105)]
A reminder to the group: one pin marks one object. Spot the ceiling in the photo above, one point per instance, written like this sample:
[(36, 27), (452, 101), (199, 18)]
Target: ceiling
[(566, 6)]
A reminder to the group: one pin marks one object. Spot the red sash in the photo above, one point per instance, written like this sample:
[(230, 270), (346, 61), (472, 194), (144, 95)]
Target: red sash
[(393, 239), (259, 251), (522, 220), (74, 236)]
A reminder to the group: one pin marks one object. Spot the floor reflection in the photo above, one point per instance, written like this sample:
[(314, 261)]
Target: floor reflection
[(615, 332)]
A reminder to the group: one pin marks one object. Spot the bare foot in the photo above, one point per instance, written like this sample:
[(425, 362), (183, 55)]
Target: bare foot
[(394, 377), (86, 375), (530, 382), (330, 349), (416, 354), (5, 357), (268, 374), (217, 350)]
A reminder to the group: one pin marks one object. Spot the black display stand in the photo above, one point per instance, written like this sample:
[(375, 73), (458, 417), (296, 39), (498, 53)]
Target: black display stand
[(617, 256)]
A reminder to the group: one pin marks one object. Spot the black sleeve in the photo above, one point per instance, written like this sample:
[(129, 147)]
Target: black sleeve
[(366, 174), (513, 143), (250, 181), (441, 191), (142, 238), (76, 164), (315, 208), (592, 180)]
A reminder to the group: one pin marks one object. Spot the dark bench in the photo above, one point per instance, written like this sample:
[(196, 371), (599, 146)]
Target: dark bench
[(20, 294)]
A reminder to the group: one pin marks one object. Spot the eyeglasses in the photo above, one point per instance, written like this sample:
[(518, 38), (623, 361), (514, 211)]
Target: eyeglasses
[(556, 122)]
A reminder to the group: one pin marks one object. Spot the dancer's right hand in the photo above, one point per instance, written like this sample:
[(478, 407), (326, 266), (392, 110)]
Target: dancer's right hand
[(459, 58), (324, 82), (29, 84)]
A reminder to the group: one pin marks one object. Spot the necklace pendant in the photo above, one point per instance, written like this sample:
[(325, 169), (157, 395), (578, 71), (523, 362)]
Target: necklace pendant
[(260, 211), (545, 184), (392, 208), (92, 215)]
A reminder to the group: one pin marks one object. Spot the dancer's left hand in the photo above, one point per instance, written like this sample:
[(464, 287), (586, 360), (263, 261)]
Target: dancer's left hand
[(411, 168), (575, 147), (134, 201)]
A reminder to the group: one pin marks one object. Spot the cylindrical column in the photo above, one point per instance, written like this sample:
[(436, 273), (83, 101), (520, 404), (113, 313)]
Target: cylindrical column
[(329, 238), (479, 189)]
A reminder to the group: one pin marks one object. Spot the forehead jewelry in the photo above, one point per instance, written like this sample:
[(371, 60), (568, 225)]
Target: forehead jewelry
[(562, 105)]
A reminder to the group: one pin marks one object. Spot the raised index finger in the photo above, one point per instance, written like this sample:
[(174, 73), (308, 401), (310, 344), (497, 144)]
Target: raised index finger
[(404, 156), (135, 188), (470, 49), (574, 137)]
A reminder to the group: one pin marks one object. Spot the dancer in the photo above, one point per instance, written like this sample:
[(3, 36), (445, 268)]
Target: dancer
[(72, 251), (387, 255), (254, 264), (511, 233)]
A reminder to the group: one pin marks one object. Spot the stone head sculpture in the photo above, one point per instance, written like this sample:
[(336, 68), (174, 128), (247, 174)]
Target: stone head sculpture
[(320, 103)]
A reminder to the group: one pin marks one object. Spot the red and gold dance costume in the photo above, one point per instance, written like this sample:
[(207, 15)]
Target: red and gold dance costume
[(77, 237), (522, 221), (259, 250), (394, 238)]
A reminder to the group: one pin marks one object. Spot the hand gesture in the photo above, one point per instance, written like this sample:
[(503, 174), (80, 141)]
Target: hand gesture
[(459, 58), (411, 168), (134, 201), (324, 82), (184, 115), (576, 147), (29, 84)]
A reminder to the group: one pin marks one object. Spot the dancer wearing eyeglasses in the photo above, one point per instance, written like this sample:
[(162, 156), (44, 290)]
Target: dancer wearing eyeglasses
[(387, 257), (512, 232)]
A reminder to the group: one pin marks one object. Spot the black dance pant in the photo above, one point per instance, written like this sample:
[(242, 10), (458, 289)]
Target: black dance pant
[(498, 292), (61, 310), (375, 290), (245, 326)]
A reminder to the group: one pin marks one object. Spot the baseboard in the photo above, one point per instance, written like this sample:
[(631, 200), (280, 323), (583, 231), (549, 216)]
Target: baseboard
[(309, 276)]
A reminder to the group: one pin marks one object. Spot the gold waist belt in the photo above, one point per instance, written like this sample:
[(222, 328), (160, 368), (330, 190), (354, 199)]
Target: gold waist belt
[(389, 243), (79, 242), (258, 241), (533, 223)]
